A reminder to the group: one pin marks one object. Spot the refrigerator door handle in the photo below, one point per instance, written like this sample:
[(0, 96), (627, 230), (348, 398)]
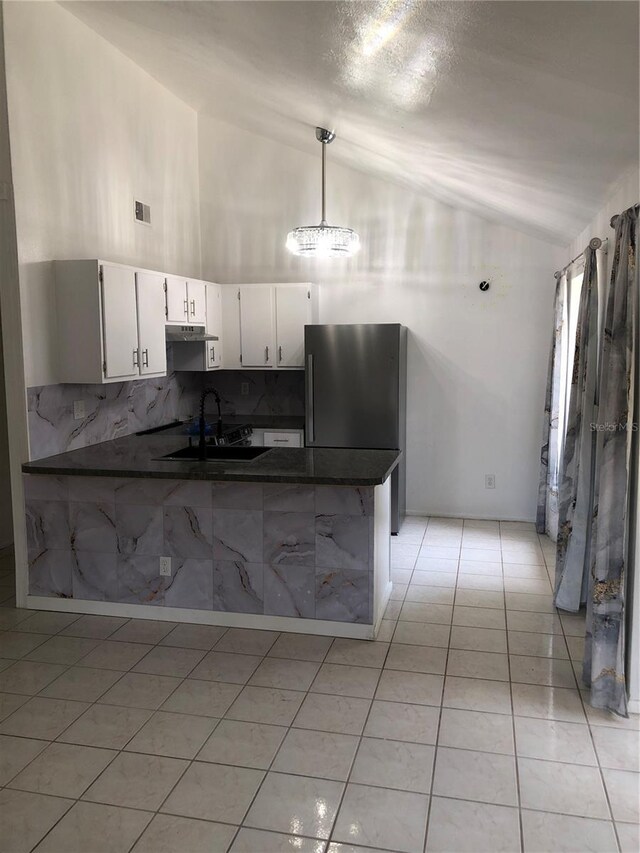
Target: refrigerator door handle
[(310, 423)]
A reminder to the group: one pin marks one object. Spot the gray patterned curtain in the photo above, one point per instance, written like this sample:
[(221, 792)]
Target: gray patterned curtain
[(576, 475), (604, 659), (547, 515)]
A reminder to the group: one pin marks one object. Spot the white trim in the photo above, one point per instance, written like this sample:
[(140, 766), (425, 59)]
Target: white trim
[(471, 516), (633, 706), (351, 630)]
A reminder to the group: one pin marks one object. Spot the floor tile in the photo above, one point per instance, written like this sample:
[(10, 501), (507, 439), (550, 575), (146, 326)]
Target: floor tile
[(252, 840), (468, 664), (601, 717), (106, 726), (94, 827), (98, 627), (301, 647), (485, 583), (385, 632), (537, 645), (480, 598), (185, 636), (205, 698), (413, 687), (214, 792), (357, 652), (42, 718), (266, 705), (286, 802), (466, 827), (63, 770), (443, 579), (414, 611), (225, 666), (416, 658), (478, 639), (343, 714), (378, 817), (477, 694), (136, 781), (422, 634), (403, 721), (286, 674), (550, 703), (115, 655), (629, 835), (430, 595), (48, 622), (25, 818), (530, 603), (143, 631), (167, 660), (172, 735), (309, 753), (12, 616), (169, 833), (440, 552), (573, 624), (246, 641), (10, 702), (28, 677), (82, 684), (566, 788), (243, 744), (617, 749), (17, 644), (476, 730), (138, 690), (15, 754), (566, 834), (545, 671), (62, 650), (553, 740), (356, 681), (623, 788), (470, 775), (394, 764), (478, 617)]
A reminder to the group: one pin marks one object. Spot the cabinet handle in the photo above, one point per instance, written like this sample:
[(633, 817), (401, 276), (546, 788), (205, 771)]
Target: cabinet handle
[(193, 307), (136, 360), (145, 358), (281, 440), (279, 353), (186, 307), (266, 353), (213, 353)]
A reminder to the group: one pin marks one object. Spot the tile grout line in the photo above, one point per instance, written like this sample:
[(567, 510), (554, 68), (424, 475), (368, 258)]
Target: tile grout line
[(513, 725)]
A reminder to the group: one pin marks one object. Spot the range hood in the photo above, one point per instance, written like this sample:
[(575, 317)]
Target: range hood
[(176, 334)]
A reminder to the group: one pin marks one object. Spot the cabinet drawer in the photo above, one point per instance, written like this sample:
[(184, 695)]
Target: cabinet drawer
[(283, 439)]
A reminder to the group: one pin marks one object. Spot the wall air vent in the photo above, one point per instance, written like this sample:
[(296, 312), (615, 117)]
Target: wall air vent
[(142, 212)]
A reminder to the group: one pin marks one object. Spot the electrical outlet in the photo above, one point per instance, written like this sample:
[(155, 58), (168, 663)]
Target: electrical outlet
[(165, 567), (244, 389), (489, 481), (78, 410)]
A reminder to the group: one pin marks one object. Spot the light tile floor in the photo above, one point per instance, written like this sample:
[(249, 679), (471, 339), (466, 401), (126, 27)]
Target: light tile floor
[(463, 728)]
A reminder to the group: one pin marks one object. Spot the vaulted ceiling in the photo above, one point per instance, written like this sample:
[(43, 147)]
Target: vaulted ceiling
[(522, 111)]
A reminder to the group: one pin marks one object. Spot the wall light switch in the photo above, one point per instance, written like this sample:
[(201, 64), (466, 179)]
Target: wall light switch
[(165, 567), (489, 481), (244, 389), (78, 410)]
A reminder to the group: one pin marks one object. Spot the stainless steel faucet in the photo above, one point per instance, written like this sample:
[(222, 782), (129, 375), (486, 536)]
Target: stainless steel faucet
[(202, 423)]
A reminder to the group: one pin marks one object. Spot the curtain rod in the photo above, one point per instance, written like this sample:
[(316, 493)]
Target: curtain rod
[(594, 243)]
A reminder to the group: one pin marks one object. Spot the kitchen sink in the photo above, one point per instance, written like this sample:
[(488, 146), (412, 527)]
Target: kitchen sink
[(222, 454)]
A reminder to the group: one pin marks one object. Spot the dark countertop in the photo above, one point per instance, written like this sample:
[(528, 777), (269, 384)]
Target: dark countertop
[(138, 456)]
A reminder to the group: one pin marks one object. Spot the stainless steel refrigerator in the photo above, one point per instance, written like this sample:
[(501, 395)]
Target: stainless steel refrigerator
[(356, 392)]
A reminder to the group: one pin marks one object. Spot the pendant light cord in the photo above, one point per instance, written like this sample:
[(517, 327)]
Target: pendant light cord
[(324, 183)]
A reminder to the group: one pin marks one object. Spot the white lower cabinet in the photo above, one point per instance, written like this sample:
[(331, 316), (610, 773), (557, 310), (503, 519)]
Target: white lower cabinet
[(110, 322), (288, 438)]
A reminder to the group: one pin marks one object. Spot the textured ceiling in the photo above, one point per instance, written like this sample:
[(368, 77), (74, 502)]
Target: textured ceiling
[(522, 111)]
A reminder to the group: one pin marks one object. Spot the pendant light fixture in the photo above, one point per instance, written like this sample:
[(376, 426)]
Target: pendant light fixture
[(323, 241)]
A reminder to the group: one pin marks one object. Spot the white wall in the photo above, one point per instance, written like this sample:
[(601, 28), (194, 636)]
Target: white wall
[(477, 362), (6, 525), (89, 132)]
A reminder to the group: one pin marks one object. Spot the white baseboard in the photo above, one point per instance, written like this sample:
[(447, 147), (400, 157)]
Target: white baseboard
[(633, 706), (471, 516)]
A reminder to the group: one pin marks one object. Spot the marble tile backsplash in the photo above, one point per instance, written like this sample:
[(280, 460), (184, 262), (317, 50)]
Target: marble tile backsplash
[(277, 392), (298, 551)]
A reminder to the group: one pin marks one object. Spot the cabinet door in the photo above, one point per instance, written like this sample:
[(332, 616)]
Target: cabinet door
[(214, 324), (197, 302), (293, 310), (177, 303), (151, 334), (257, 326), (119, 322), (283, 439)]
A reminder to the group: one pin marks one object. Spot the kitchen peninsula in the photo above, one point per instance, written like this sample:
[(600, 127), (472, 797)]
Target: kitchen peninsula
[(296, 539)]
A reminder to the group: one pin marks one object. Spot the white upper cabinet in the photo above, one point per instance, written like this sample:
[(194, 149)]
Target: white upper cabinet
[(203, 355), (110, 322), (293, 312), (186, 301), (257, 326), (150, 298)]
